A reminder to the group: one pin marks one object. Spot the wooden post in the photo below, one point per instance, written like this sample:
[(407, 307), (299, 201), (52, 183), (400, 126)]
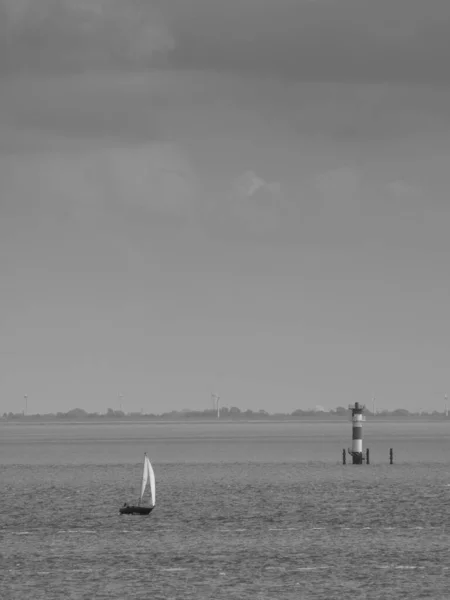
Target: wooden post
[(344, 457), (391, 456), (367, 457)]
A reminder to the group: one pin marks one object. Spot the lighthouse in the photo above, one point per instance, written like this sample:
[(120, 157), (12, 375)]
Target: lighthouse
[(357, 420)]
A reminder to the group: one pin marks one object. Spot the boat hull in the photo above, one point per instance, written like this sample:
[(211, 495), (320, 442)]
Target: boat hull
[(136, 510)]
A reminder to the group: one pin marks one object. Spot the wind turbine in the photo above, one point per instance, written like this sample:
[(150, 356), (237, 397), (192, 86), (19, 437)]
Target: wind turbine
[(215, 400)]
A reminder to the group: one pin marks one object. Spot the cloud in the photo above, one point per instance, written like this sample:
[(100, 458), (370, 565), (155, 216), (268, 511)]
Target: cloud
[(401, 189), (255, 203), (336, 40), (155, 176), (88, 181), (358, 40), (80, 34), (249, 184)]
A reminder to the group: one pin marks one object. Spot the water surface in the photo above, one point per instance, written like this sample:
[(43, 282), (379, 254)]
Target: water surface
[(244, 511)]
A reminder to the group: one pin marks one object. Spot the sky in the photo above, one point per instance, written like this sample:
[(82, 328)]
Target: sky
[(247, 198)]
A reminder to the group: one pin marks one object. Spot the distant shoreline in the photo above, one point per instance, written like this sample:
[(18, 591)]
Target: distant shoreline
[(30, 421)]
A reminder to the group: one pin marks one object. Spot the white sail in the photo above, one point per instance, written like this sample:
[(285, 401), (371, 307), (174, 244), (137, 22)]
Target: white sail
[(144, 477), (151, 476)]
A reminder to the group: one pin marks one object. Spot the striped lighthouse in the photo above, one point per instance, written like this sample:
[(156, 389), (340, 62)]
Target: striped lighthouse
[(357, 420)]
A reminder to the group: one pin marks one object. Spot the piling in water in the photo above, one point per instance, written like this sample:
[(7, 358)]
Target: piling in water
[(391, 456)]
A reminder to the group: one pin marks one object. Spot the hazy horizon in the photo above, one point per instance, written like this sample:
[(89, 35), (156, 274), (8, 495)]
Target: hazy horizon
[(200, 198)]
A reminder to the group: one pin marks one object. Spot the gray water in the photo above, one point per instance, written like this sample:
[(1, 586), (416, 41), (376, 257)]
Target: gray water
[(244, 511)]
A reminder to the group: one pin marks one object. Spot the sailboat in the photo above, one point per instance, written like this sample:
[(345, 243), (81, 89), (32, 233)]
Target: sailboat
[(148, 476)]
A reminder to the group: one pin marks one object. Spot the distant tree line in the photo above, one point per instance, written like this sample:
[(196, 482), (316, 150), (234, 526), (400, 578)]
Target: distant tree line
[(227, 413)]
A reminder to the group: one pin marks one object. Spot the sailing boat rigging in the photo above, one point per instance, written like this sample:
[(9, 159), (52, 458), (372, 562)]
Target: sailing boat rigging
[(148, 476)]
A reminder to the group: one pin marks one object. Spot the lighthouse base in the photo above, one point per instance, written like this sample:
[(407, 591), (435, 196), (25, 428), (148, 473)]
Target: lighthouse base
[(357, 457)]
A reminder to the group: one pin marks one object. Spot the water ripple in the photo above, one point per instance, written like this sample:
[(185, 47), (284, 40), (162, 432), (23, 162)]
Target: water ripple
[(226, 531)]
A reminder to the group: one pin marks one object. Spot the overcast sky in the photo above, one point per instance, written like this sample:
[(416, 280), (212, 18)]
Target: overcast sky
[(248, 197)]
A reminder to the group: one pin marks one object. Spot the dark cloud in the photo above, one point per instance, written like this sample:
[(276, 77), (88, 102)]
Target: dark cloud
[(338, 40), (320, 39), (62, 35)]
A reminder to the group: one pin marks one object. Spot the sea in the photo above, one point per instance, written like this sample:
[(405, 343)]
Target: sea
[(244, 510)]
